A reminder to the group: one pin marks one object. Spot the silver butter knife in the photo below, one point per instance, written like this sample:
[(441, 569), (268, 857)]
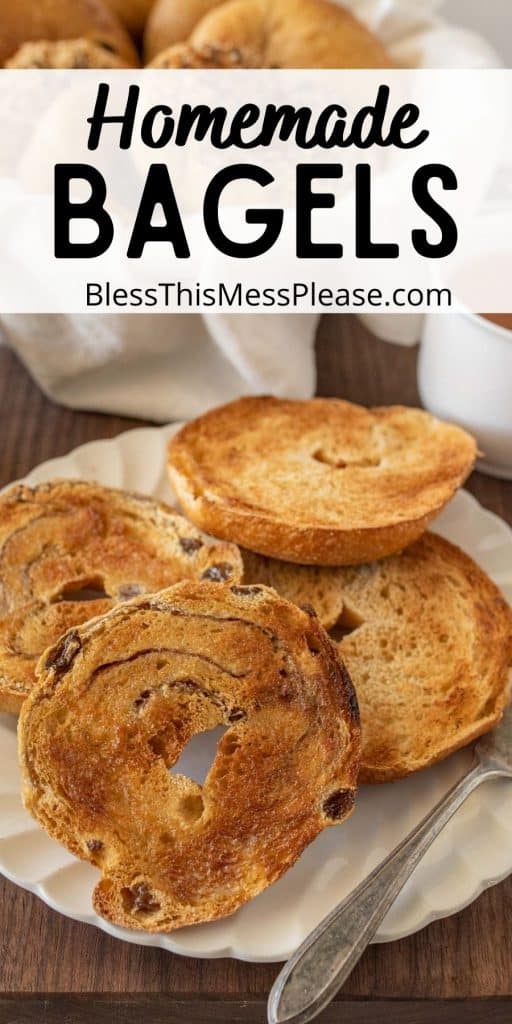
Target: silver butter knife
[(315, 973)]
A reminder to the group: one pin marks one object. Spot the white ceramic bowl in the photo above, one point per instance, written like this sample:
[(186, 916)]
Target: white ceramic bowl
[(465, 375)]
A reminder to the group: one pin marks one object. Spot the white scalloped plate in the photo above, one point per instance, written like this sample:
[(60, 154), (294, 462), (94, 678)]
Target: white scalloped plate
[(474, 851)]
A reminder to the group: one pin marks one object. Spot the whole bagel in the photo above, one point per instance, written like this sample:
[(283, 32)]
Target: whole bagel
[(120, 698), (281, 33), (25, 21)]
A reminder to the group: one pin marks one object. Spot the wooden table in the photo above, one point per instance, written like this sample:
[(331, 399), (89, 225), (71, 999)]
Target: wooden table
[(54, 970)]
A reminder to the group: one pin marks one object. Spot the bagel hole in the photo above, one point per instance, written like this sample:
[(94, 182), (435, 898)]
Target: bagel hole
[(370, 462), (198, 755), (347, 623), (83, 590)]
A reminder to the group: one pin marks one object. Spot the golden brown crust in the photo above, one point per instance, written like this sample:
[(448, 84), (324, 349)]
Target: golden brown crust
[(319, 482), (183, 56), (25, 21), (427, 639), (60, 539), (281, 33), (117, 701), (69, 53)]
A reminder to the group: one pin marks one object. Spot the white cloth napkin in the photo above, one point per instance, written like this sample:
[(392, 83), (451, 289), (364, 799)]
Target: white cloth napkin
[(175, 366), (164, 367)]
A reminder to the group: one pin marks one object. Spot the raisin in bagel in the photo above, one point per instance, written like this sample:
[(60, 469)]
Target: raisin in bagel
[(120, 697), (320, 482), (25, 21), (427, 639), (69, 550), (68, 53), (282, 33)]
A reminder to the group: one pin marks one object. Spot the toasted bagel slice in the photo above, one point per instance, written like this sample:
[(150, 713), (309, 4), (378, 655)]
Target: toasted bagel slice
[(70, 550), (69, 53), (120, 697), (282, 33), (30, 21), (427, 639), (320, 482)]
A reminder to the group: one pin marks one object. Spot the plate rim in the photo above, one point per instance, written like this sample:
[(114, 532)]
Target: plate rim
[(229, 949)]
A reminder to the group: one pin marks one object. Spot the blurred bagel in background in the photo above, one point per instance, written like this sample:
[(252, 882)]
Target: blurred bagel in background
[(69, 53), (25, 21), (280, 33), (293, 34), (133, 13)]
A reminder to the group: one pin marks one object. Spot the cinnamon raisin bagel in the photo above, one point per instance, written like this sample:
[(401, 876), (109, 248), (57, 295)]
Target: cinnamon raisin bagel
[(281, 33), (120, 697), (69, 550), (427, 639), (25, 21), (320, 482)]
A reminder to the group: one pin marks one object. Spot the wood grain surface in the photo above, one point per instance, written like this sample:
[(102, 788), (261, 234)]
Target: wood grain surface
[(457, 970)]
